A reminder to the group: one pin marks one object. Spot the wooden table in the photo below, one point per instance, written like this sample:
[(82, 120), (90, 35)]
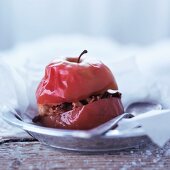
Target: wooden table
[(20, 151)]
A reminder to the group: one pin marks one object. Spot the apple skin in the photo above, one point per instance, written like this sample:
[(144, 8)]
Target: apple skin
[(68, 81), (85, 117)]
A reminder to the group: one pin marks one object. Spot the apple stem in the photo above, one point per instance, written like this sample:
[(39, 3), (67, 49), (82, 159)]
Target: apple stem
[(84, 52)]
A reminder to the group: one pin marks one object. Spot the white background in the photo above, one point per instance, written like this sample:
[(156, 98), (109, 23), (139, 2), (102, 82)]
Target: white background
[(126, 21)]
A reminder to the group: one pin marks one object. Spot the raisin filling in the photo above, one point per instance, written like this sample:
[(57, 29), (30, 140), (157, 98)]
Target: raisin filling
[(47, 110)]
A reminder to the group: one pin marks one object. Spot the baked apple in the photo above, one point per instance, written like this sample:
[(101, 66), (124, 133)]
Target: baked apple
[(75, 94)]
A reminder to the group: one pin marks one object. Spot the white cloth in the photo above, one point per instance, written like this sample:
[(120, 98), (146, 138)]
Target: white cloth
[(154, 123)]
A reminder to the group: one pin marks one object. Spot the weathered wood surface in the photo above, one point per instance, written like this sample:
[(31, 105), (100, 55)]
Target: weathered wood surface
[(20, 151), (30, 154)]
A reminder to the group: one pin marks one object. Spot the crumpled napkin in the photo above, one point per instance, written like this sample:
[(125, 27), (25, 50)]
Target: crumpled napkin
[(13, 88), (154, 123), (146, 79)]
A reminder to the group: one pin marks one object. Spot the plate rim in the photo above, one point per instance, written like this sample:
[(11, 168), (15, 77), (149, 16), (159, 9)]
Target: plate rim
[(9, 117)]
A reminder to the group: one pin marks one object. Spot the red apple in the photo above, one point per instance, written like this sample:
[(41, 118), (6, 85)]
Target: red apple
[(66, 84), (71, 80)]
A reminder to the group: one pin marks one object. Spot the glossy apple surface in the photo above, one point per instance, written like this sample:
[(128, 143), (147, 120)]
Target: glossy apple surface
[(85, 117), (69, 81)]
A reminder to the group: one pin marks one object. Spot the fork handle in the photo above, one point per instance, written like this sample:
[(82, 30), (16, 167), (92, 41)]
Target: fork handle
[(102, 129)]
